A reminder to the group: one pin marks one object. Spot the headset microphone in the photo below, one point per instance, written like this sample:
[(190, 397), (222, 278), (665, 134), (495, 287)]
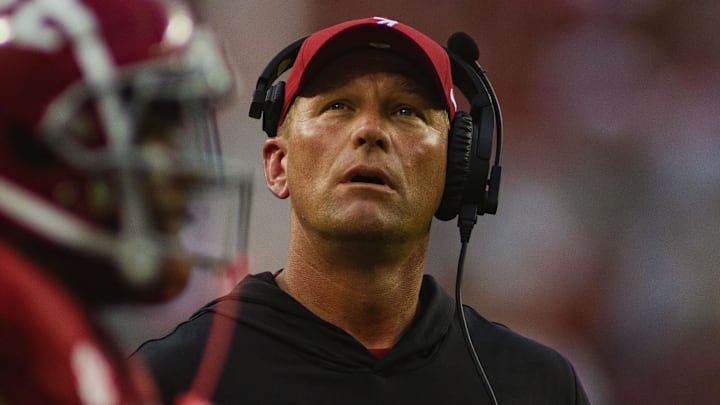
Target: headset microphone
[(463, 45), (487, 118)]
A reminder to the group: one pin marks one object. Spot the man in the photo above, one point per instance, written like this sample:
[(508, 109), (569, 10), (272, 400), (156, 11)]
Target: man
[(104, 111), (360, 150)]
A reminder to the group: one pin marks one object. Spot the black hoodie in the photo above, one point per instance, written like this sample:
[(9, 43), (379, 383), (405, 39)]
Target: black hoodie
[(281, 353)]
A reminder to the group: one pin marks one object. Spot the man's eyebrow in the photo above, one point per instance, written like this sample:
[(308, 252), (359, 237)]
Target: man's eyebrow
[(412, 86)]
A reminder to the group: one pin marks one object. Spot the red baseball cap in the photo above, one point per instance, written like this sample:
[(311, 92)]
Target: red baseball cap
[(377, 32)]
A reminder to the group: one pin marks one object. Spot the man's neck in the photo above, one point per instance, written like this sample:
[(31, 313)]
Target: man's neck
[(370, 295)]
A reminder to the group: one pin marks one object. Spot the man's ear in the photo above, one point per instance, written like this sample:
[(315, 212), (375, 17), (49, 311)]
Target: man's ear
[(274, 164)]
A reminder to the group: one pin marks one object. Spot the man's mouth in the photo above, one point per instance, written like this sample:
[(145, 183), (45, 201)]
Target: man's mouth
[(367, 175), (361, 178)]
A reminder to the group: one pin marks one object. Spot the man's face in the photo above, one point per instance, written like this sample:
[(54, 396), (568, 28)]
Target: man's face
[(366, 150), (167, 193)]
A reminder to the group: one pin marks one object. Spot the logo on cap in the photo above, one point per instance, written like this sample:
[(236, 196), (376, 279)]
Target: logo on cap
[(385, 21)]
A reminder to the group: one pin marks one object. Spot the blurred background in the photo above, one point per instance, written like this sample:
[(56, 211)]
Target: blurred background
[(607, 239)]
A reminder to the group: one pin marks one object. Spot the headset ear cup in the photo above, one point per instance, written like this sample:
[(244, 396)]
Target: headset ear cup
[(272, 108), (458, 166)]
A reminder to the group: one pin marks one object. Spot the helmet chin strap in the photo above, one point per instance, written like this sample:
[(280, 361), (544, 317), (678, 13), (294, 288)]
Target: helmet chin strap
[(139, 251)]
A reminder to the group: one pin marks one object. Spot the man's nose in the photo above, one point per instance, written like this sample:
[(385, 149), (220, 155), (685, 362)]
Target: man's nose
[(371, 130)]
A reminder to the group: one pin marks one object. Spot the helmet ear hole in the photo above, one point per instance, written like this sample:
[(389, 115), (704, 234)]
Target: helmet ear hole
[(28, 147)]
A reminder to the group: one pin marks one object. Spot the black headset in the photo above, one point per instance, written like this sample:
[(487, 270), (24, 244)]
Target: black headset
[(471, 185)]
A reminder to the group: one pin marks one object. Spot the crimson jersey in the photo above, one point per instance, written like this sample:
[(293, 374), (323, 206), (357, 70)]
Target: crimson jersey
[(50, 350)]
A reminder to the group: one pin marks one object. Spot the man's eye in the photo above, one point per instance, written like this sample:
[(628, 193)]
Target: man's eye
[(407, 111), (337, 106)]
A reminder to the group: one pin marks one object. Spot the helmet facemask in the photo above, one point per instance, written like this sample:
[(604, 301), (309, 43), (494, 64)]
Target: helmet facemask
[(127, 130)]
